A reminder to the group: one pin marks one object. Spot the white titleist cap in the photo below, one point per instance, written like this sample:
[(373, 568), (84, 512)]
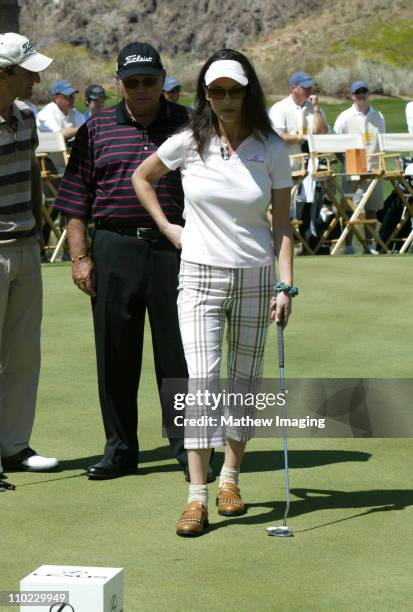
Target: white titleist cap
[(17, 50), (226, 68)]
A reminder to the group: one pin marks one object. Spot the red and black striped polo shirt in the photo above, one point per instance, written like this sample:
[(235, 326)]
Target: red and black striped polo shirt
[(107, 149)]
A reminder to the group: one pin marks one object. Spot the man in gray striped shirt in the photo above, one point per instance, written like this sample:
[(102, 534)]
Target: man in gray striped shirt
[(20, 277)]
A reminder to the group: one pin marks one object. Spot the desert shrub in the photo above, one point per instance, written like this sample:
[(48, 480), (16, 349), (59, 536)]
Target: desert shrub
[(334, 80), (77, 66), (382, 78), (184, 67)]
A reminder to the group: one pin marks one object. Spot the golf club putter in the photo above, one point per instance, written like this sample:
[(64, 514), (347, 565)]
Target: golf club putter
[(283, 530)]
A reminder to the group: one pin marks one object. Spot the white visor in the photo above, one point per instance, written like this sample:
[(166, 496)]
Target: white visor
[(226, 68)]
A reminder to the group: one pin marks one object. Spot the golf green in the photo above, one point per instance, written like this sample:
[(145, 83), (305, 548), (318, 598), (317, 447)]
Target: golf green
[(351, 499)]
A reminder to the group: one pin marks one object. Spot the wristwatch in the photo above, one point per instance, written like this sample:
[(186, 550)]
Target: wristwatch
[(79, 258)]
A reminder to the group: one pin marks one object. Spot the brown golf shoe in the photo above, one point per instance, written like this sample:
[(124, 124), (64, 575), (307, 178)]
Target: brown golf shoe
[(193, 520), (229, 500)]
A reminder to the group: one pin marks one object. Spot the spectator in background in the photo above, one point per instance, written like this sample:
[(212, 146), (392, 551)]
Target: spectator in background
[(293, 118), (299, 113), (172, 89), (362, 118), (409, 117), (95, 97), (60, 113), (20, 276)]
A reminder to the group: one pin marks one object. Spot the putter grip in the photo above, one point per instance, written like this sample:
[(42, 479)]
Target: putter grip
[(280, 340)]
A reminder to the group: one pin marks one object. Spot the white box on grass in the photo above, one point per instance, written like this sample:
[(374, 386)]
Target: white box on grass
[(91, 589)]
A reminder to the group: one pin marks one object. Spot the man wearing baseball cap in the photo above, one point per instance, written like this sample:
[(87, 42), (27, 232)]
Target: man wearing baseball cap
[(172, 89), (293, 118), (362, 118), (20, 277), (95, 97), (60, 114), (132, 269), (299, 113)]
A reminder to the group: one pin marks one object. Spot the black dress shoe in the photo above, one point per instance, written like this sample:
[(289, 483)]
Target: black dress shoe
[(210, 474), (106, 468)]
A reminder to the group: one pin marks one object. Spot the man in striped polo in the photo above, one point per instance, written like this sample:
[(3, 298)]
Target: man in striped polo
[(132, 270), (20, 278)]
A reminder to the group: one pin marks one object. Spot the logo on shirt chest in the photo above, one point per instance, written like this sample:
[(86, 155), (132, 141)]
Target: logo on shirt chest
[(255, 159)]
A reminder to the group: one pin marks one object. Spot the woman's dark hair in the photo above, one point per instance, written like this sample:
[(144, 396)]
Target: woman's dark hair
[(204, 122)]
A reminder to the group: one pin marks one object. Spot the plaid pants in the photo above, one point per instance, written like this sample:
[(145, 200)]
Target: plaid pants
[(208, 297)]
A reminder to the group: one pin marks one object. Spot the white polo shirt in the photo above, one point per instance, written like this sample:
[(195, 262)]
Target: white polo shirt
[(287, 117), (409, 117), (51, 118), (226, 198), (370, 125)]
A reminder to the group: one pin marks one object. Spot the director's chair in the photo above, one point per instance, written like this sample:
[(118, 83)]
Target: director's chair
[(52, 156), (333, 148), (392, 146), (299, 173)]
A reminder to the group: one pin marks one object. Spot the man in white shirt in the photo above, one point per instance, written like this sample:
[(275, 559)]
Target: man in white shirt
[(293, 118), (60, 114), (299, 114), (409, 117), (362, 118)]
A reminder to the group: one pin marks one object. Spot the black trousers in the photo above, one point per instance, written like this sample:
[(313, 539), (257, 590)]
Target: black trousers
[(134, 277)]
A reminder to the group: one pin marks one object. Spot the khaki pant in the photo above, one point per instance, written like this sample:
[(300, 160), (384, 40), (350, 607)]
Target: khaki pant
[(20, 319)]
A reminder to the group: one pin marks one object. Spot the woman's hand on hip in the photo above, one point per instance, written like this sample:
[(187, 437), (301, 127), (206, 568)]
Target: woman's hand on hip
[(173, 233)]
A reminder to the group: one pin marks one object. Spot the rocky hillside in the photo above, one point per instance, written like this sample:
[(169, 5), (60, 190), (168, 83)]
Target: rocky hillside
[(173, 26), (369, 39)]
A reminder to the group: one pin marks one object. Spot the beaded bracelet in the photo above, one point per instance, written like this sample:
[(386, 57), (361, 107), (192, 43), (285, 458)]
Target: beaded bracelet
[(288, 289)]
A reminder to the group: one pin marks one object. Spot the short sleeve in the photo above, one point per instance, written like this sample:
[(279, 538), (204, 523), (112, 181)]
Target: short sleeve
[(277, 116), (173, 151), (279, 167), (339, 125), (46, 122)]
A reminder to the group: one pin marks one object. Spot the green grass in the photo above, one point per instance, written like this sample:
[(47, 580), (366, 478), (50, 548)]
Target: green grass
[(390, 43), (352, 544)]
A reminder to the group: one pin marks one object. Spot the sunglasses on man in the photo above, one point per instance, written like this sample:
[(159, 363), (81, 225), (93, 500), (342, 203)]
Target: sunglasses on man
[(149, 81), (362, 90)]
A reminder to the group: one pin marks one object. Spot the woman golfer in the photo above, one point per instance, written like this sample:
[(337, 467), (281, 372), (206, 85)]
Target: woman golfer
[(233, 168)]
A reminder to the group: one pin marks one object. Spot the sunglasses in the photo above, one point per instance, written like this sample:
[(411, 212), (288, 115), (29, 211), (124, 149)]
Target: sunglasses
[(149, 81), (361, 91), (219, 93)]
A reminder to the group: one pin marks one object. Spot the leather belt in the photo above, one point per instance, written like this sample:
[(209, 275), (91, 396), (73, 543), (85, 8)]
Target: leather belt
[(141, 233)]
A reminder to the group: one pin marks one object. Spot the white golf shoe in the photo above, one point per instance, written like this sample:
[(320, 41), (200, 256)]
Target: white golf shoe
[(30, 461)]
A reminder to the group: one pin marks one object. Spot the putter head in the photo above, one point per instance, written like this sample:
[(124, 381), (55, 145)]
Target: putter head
[(280, 532)]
